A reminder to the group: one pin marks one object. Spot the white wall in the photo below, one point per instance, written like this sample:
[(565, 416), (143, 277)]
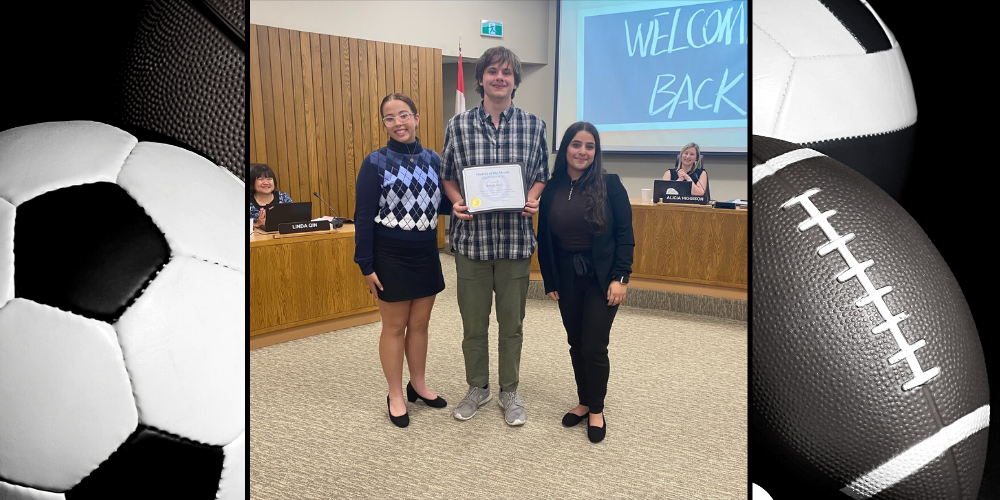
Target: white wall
[(424, 23), (529, 30)]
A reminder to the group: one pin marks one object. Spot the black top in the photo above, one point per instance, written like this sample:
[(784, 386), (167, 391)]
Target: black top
[(570, 231), (611, 250), (695, 176)]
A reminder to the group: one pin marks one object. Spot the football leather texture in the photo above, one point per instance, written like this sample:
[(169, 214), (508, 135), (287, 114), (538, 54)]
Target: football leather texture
[(867, 370), (184, 76)]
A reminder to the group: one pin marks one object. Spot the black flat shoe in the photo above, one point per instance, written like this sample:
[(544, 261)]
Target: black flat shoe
[(571, 419), (596, 434), (412, 395), (400, 421)]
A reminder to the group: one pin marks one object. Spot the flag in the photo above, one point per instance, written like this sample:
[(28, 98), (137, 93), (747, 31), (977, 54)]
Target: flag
[(460, 91)]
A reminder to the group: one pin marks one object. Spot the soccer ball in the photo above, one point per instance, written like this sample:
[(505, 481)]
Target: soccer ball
[(831, 76), (122, 333)]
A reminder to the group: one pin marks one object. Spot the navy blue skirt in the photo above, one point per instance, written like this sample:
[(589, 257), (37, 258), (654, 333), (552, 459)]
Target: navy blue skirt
[(407, 269)]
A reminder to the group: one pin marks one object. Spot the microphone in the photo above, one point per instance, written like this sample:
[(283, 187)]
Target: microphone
[(338, 221)]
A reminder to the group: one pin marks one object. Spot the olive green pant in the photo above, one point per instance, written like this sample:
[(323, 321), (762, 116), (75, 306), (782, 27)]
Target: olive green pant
[(477, 281)]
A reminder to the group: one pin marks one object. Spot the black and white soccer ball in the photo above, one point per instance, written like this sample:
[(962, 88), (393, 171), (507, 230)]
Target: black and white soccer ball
[(829, 75), (122, 318)]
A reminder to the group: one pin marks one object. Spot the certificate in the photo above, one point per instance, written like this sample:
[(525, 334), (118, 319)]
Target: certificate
[(494, 188)]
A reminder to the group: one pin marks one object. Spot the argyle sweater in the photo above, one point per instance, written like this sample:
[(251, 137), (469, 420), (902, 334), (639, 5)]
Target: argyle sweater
[(398, 195)]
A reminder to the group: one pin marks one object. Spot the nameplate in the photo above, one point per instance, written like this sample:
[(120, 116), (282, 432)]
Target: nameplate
[(303, 227), (677, 198)]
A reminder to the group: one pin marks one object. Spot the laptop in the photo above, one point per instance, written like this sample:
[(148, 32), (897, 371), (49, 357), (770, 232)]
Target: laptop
[(287, 212), (661, 188)]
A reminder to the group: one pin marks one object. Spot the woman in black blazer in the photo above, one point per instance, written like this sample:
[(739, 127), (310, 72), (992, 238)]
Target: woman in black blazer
[(585, 245)]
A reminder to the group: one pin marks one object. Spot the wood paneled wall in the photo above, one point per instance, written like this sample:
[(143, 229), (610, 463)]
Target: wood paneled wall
[(687, 244), (314, 107)]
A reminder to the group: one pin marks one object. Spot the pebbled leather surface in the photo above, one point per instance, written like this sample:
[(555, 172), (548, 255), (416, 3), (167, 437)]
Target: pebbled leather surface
[(155, 68), (884, 159), (233, 11), (184, 79), (823, 392)]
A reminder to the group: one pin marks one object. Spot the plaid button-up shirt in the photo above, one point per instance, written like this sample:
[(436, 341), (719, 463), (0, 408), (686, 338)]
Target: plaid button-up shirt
[(471, 139)]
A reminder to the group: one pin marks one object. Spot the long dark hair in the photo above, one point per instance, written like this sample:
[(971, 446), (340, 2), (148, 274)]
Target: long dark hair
[(591, 184), (257, 171)]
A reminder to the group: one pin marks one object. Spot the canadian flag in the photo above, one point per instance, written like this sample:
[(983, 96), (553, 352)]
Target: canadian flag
[(460, 92)]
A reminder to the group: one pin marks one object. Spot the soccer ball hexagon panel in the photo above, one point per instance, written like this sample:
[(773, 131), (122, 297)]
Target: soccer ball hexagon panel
[(122, 318)]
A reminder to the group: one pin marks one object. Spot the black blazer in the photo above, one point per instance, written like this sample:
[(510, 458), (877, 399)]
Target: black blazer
[(612, 251)]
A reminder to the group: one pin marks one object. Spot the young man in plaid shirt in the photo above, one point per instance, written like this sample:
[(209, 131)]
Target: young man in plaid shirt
[(493, 250)]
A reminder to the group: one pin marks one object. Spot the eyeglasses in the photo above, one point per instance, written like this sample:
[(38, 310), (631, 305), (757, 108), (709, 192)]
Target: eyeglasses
[(403, 117)]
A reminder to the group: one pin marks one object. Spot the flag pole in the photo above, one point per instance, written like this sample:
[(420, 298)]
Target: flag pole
[(460, 87)]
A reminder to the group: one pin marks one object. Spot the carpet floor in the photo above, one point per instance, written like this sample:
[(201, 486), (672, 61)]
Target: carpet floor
[(676, 411)]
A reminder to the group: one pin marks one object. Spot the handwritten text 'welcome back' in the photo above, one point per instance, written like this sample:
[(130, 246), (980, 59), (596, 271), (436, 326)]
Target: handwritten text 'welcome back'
[(703, 28)]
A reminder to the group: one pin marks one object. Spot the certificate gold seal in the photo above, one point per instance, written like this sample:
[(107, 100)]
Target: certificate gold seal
[(475, 203)]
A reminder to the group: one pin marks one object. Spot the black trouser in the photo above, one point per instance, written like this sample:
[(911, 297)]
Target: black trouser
[(587, 318)]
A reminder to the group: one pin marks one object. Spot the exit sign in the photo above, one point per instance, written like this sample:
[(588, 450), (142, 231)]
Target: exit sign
[(493, 28)]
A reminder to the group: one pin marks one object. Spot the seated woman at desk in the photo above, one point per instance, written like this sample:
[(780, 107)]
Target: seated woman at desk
[(263, 193), (688, 167)]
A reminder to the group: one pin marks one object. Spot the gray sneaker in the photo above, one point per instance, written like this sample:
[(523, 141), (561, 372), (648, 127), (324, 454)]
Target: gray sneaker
[(513, 410), (476, 397)]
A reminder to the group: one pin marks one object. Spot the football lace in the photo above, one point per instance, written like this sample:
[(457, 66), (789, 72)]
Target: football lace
[(874, 296)]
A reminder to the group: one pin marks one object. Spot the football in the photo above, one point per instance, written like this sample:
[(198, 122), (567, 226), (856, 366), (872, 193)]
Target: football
[(868, 376), (183, 75), (829, 75), (122, 317)]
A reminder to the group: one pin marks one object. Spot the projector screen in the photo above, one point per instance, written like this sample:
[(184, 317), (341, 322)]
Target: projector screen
[(654, 75)]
